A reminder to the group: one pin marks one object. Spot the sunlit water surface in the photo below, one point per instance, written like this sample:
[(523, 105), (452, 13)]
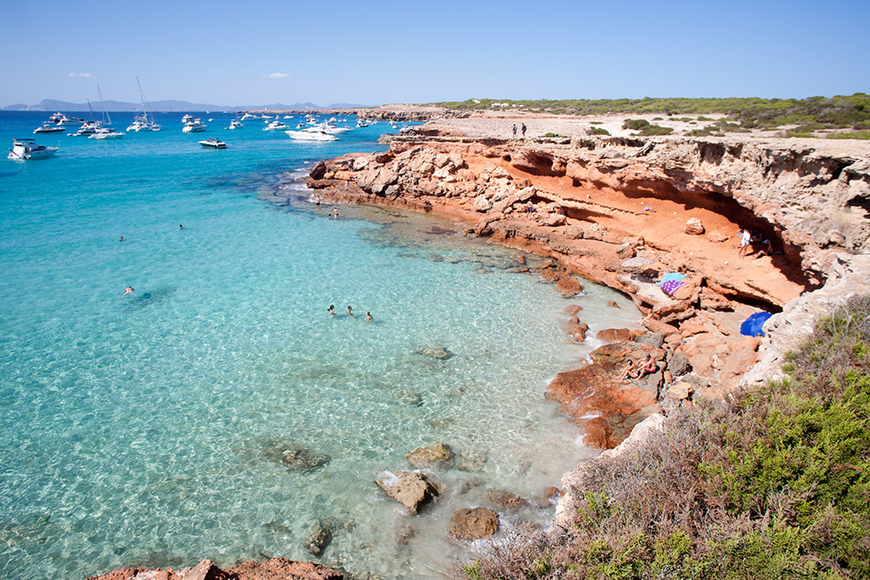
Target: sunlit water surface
[(149, 430)]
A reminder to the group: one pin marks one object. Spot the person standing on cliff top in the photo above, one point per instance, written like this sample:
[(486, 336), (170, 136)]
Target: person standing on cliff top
[(515, 130), (524, 130)]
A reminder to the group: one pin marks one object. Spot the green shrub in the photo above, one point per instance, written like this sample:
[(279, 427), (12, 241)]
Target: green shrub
[(655, 130), (635, 124), (851, 135), (598, 131)]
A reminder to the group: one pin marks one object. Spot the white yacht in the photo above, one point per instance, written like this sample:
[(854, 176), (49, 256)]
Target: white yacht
[(248, 117), (331, 128), (235, 124), (195, 126), (311, 134), (28, 149), (213, 143), (187, 119), (87, 128), (143, 124), (106, 133), (49, 127), (61, 119), (276, 126)]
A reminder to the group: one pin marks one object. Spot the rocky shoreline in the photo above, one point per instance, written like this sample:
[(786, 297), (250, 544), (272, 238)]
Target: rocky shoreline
[(625, 211)]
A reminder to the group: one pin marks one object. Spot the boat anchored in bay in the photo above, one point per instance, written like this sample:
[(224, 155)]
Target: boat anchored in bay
[(23, 149), (213, 143)]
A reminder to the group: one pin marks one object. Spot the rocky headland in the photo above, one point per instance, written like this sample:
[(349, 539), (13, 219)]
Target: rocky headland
[(623, 211)]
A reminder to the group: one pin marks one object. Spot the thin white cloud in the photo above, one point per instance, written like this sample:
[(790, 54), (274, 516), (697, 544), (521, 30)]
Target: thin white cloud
[(277, 76), (82, 75)]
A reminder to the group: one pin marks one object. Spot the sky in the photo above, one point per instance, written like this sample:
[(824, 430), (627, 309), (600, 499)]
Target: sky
[(259, 52)]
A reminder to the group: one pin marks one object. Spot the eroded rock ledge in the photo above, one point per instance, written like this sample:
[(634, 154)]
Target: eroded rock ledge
[(623, 211)]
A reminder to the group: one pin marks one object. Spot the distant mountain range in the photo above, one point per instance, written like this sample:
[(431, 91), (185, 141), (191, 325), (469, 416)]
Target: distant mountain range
[(50, 105)]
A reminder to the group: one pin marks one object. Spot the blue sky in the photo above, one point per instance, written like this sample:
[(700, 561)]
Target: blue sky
[(260, 52)]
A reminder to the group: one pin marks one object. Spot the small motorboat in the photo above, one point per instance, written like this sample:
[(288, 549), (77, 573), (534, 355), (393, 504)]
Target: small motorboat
[(311, 135), (248, 117), (187, 118), (49, 127), (195, 126), (28, 149), (213, 143), (235, 124)]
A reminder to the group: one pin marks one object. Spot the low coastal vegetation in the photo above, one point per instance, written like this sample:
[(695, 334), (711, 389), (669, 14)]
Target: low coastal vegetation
[(839, 116), (774, 483), (645, 128)]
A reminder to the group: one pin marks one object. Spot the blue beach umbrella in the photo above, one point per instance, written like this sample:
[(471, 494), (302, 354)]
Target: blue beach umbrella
[(752, 325)]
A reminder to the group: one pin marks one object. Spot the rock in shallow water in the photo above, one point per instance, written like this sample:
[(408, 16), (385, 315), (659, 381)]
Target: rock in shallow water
[(435, 351), (473, 524), (411, 489), (438, 456), (301, 459), (319, 538)]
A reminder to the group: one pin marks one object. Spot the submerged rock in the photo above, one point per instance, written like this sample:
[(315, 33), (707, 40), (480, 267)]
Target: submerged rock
[(438, 456), (302, 459), (319, 538), (434, 351), (471, 462)]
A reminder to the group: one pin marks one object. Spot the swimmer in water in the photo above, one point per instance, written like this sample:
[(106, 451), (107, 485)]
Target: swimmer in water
[(349, 312), (331, 309), (129, 290), (369, 317)]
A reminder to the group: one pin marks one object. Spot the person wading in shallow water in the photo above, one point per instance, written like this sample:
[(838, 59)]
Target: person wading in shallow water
[(331, 309)]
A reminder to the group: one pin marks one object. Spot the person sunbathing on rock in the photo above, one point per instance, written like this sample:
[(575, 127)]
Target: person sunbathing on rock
[(630, 371), (648, 366)]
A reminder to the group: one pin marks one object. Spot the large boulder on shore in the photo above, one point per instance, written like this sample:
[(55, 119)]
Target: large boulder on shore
[(410, 488), (318, 171)]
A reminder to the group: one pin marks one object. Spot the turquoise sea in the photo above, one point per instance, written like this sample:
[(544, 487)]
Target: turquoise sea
[(149, 430)]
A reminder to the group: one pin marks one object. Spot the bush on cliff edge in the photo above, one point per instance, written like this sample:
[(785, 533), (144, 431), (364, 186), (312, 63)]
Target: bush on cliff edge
[(773, 484)]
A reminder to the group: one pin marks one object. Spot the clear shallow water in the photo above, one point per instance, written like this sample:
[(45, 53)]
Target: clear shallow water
[(147, 431)]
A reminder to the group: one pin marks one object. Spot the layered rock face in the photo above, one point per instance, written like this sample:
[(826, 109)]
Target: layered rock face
[(625, 211), (811, 198)]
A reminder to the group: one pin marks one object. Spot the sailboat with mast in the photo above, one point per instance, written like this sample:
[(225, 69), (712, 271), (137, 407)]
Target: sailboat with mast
[(105, 131), (145, 121)]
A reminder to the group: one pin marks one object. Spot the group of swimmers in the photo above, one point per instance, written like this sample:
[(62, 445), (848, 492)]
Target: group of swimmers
[(350, 314)]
